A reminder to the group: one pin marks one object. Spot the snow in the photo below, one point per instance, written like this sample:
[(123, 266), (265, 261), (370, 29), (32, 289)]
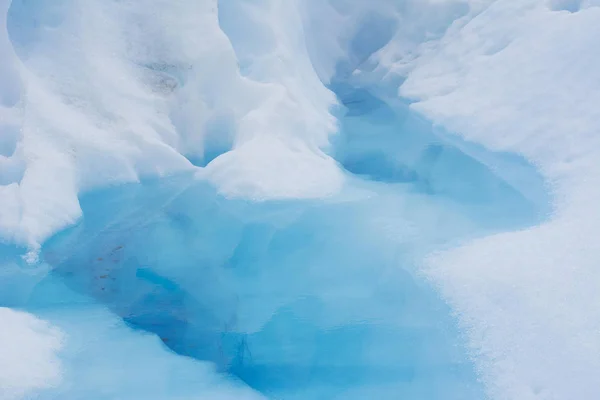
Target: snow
[(278, 152), (268, 168), (114, 93), (29, 348), (522, 78)]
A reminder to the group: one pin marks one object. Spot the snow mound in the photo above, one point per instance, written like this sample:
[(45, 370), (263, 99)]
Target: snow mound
[(523, 77), (29, 348)]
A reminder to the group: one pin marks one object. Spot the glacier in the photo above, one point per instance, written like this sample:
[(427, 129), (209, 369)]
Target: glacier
[(310, 199)]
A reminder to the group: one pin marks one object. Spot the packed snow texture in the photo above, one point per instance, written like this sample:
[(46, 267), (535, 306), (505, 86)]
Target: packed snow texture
[(524, 78), (29, 359), (96, 93)]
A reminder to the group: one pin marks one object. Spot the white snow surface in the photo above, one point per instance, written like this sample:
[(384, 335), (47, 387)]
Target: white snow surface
[(524, 77), (521, 76), (29, 360)]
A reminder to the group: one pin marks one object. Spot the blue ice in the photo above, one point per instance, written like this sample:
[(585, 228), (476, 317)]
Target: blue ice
[(298, 299)]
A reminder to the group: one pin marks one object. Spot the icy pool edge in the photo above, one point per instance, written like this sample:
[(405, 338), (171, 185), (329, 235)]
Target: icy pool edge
[(524, 298)]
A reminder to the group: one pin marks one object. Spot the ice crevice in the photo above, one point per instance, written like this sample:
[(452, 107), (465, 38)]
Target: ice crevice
[(309, 200)]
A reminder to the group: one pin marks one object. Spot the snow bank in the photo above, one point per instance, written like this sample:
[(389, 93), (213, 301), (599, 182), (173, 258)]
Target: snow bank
[(524, 77), (29, 359), (278, 151), (113, 92)]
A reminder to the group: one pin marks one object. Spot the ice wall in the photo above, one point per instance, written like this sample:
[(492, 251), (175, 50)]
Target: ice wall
[(342, 35), (11, 165), (278, 152), (114, 93)]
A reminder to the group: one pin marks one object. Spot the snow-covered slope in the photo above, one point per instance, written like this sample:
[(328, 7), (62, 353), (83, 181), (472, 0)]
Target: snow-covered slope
[(524, 77)]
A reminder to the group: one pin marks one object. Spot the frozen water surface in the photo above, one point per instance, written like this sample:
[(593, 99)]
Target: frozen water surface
[(307, 299)]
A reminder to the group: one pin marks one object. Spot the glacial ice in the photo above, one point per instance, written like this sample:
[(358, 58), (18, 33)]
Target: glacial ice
[(295, 299), (298, 299), (308, 199)]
